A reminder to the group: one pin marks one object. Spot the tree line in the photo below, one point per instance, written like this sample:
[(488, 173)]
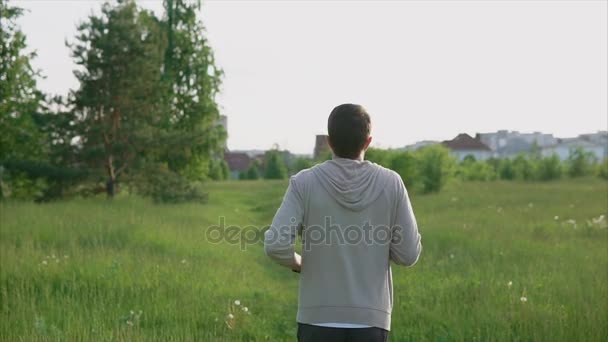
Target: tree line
[(428, 169), (143, 118)]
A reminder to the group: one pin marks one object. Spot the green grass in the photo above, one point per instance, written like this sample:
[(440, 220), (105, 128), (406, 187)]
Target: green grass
[(104, 259)]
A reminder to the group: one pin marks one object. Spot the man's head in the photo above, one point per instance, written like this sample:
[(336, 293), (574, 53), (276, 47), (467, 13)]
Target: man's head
[(349, 128)]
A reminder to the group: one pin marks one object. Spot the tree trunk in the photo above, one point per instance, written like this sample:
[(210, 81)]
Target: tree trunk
[(110, 187), (111, 182)]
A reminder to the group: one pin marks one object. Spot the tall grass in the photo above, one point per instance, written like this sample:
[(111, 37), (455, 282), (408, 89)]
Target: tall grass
[(501, 261)]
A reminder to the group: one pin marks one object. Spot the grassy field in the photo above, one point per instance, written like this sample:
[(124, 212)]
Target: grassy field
[(501, 261)]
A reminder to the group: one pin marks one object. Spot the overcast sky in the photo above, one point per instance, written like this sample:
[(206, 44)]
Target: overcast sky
[(424, 70)]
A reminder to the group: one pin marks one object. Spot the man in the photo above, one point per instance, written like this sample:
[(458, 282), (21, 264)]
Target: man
[(355, 216)]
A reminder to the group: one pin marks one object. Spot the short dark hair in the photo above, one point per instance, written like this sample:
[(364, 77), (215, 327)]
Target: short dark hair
[(348, 127)]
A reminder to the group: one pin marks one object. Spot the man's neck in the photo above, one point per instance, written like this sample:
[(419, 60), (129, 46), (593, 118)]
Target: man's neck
[(359, 158)]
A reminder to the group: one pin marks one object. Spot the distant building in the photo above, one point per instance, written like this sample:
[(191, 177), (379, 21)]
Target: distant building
[(321, 146), (420, 144), (564, 147), (511, 143), (237, 162), (465, 145), (600, 138)]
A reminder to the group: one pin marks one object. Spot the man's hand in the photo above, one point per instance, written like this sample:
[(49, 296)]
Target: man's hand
[(298, 263)]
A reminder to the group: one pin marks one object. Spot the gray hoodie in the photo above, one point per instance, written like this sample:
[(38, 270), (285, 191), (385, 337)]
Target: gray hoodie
[(354, 216)]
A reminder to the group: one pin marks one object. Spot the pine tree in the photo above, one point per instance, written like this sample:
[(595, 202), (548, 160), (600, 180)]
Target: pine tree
[(117, 104)]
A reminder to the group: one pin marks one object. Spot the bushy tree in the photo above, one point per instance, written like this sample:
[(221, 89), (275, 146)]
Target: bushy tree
[(523, 168), (275, 167), (147, 94), (405, 164), (191, 81), (20, 100), (549, 168), (435, 167), (505, 169), (602, 169), (253, 172), (473, 170), (300, 164), (216, 171), (378, 156), (579, 162), (225, 169)]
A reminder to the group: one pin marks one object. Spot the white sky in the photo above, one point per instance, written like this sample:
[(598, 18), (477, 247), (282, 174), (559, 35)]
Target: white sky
[(424, 70)]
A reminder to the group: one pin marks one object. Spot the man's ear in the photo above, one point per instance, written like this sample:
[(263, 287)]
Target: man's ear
[(367, 142)]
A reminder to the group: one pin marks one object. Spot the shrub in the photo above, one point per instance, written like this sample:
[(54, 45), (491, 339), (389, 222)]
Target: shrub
[(327, 155), (579, 162), (523, 168), (506, 170), (253, 170), (435, 166), (39, 180), (404, 163), (378, 156), (165, 186), (476, 170), (549, 168), (216, 171), (602, 169), (275, 167), (225, 169), (301, 164)]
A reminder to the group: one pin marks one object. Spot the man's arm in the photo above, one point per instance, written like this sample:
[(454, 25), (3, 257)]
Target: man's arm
[(279, 239), (405, 245)]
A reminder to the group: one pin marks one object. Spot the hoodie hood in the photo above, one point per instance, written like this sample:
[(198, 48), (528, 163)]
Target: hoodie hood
[(354, 184)]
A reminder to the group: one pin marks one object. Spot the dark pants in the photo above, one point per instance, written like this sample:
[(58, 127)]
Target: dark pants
[(313, 333)]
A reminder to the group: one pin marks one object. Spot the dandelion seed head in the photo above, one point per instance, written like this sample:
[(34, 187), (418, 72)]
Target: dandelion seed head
[(245, 309), (523, 299), (230, 316), (510, 283), (44, 262), (598, 220), (237, 302), (556, 217)]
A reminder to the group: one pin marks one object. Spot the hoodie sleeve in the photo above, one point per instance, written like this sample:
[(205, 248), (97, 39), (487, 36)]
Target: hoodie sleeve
[(405, 244), (279, 239)]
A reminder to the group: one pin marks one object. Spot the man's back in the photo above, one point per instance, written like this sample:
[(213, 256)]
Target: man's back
[(355, 217)]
